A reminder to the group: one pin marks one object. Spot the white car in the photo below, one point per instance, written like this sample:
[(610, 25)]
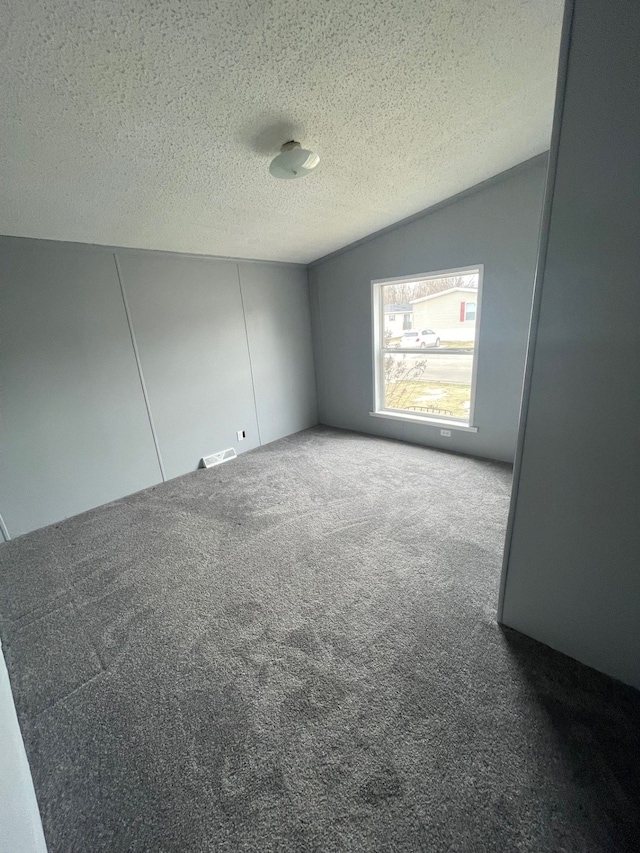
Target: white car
[(422, 338)]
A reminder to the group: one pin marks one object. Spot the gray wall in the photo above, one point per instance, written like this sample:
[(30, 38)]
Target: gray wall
[(75, 428), (278, 321), (573, 567), (497, 225), (188, 322)]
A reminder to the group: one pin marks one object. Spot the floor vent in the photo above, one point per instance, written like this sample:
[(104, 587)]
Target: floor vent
[(218, 458)]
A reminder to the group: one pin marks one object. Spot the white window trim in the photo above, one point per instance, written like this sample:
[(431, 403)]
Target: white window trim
[(377, 311), (430, 420)]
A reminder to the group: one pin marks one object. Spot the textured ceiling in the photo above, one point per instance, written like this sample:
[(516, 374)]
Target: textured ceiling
[(132, 123)]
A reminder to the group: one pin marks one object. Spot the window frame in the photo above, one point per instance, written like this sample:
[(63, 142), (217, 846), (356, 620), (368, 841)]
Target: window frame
[(378, 352)]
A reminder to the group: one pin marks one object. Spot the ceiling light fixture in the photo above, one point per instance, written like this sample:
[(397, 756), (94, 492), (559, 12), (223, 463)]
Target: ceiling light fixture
[(293, 161)]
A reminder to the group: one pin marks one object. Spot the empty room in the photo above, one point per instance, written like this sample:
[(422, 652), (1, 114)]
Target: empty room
[(319, 418)]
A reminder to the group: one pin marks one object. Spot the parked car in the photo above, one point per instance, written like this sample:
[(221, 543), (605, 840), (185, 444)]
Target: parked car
[(421, 338)]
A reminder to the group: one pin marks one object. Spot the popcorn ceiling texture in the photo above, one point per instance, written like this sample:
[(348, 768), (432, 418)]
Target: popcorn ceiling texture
[(152, 124)]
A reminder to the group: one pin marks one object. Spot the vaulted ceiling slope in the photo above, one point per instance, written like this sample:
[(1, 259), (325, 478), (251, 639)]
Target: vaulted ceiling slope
[(152, 125)]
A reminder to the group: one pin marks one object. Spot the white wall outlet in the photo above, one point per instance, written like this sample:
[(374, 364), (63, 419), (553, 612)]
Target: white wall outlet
[(445, 432), (241, 434)]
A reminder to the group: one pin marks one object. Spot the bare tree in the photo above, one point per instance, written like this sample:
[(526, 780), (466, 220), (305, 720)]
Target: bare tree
[(404, 292), (399, 373), (400, 376)]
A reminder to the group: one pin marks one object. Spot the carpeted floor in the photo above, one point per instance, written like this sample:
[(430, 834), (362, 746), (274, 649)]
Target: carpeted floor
[(297, 651)]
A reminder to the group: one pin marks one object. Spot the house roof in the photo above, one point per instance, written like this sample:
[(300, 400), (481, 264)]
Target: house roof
[(152, 125), (398, 308), (444, 292)]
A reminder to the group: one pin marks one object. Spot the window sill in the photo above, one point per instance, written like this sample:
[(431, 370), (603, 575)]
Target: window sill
[(420, 419)]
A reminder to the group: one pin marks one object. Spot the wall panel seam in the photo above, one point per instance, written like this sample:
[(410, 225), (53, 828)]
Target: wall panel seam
[(246, 334), (3, 530), (319, 363), (136, 353), (74, 245)]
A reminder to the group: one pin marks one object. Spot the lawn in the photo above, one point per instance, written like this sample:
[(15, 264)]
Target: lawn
[(429, 397)]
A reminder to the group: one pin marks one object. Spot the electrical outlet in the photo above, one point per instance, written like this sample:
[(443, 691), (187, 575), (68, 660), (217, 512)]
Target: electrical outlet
[(241, 434), (445, 432)]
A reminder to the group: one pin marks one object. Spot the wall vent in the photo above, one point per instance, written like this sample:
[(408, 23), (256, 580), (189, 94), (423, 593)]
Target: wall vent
[(218, 458)]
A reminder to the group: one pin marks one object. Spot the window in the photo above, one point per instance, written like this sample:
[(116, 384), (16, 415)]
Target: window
[(392, 317), (427, 371)]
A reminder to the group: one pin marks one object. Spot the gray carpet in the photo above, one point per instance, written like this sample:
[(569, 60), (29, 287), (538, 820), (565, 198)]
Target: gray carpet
[(297, 651)]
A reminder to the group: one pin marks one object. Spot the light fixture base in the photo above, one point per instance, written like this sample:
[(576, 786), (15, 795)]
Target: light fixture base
[(293, 161)]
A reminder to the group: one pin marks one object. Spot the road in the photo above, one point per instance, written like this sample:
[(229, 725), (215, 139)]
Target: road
[(442, 366)]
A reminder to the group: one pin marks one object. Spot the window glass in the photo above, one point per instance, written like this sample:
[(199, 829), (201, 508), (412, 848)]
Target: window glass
[(427, 371)]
